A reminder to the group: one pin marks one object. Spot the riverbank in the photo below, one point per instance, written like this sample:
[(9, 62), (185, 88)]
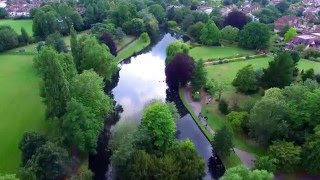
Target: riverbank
[(238, 156)]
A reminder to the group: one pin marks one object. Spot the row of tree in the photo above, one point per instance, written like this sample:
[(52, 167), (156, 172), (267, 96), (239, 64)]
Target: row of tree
[(10, 39), (72, 89)]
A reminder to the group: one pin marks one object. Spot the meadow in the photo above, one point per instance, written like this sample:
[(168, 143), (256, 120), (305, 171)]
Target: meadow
[(21, 107), (210, 52), (18, 24)]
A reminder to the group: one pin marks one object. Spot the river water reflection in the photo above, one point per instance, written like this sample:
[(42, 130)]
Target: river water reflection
[(142, 79)]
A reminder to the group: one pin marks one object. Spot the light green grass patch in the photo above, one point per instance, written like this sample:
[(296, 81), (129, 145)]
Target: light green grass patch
[(212, 52), (21, 108), (304, 64), (18, 24), (134, 47), (126, 40)]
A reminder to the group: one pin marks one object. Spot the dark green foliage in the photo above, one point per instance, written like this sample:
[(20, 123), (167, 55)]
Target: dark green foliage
[(210, 34), (223, 142), (266, 163), (57, 17), (311, 153), (189, 164), (280, 71), (93, 55), (29, 144), (135, 26), (56, 41), (187, 21), (158, 12), (195, 30), (3, 13), (23, 37), (8, 38), (141, 166), (268, 15), (229, 33), (286, 154), (245, 80), (49, 162), (254, 35), (199, 79), (268, 118), (54, 86), (309, 74), (283, 6), (223, 106)]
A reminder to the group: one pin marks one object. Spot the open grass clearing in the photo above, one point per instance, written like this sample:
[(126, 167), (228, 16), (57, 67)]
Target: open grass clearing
[(18, 24), (21, 107), (214, 52)]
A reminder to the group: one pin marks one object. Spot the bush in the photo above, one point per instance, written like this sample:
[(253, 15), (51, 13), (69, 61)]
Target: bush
[(223, 107), (145, 37), (172, 24), (196, 96)]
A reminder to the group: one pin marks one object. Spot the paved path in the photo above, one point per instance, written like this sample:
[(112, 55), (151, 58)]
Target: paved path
[(245, 157)]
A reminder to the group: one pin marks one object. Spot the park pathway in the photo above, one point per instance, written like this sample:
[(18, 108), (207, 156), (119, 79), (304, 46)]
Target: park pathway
[(245, 157)]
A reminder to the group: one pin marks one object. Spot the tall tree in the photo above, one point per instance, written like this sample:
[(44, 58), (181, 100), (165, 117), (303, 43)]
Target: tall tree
[(74, 47), (49, 162), (56, 41), (245, 80), (267, 120), (157, 118), (190, 164), (8, 38), (223, 142), (24, 37), (54, 87), (287, 155), (199, 79), (93, 55), (236, 19), (229, 33), (195, 30), (3, 13), (179, 71), (283, 6), (29, 144), (311, 153), (254, 35), (158, 12), (280, 71), (210, 34)]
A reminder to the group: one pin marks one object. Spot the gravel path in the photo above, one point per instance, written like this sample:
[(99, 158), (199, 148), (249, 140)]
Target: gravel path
[(245, 157)]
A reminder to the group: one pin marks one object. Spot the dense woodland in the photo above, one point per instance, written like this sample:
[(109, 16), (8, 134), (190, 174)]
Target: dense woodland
[(285, 120)]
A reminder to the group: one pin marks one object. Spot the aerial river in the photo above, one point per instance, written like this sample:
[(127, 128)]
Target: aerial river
[(141, 79)]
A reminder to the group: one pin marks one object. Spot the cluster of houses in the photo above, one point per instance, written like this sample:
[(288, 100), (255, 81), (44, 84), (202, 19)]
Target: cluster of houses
[(18, 8)]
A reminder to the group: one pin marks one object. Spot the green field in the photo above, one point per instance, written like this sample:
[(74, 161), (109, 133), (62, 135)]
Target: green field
[(21, 108), (207, 52), (18, 24), (134, 47)]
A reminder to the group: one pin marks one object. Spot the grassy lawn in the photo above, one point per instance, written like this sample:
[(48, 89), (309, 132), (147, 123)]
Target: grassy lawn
[(207, 52), (225, 73), (18, 24), (134, 47), (126, 40), (21, 108)]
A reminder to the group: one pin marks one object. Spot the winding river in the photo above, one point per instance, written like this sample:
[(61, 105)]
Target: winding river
[(140, 80)]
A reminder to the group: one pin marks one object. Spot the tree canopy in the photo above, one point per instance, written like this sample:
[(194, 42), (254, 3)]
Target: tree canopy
[(210, 34), (254, 35)]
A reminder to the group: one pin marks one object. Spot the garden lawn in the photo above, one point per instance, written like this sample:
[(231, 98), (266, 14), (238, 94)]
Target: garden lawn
[(214, 52), (21, 108), (307, 64), (18, 24), (125, 41), (134, 47)]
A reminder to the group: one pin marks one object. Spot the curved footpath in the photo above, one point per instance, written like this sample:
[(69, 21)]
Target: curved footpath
[(245, 157)]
